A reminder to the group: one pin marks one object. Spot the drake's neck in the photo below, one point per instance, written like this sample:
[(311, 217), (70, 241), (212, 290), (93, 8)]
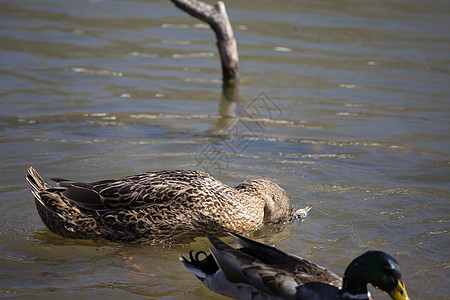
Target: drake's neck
[(348, 296), (354, 284)]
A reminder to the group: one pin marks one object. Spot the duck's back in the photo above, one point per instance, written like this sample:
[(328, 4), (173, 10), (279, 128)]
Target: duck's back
[(146, 189)]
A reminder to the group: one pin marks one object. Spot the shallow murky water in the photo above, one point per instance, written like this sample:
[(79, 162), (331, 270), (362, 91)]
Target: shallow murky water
[(345, 105)]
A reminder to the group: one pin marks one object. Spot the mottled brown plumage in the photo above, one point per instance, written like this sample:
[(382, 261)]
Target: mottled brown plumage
[(156, 207)]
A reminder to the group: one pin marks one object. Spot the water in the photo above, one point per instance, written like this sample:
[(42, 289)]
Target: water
[(344, 104)]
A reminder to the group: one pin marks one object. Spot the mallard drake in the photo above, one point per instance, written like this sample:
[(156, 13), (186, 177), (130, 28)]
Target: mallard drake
[(156, 207), (257, 271)]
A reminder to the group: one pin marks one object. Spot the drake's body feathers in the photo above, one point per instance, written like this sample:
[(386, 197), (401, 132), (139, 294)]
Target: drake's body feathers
[(257, 271)]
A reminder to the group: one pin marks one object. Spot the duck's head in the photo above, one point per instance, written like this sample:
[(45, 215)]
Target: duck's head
[(378, 268), (277, 205)]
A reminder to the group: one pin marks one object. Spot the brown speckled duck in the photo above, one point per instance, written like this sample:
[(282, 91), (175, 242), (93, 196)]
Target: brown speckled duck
[(157, 207), (256, 271)]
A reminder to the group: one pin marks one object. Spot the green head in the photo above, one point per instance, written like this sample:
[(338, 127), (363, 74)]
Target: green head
[(377, 268)]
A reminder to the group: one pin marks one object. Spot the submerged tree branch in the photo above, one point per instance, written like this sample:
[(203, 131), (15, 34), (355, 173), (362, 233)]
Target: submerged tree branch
[(216, 16)]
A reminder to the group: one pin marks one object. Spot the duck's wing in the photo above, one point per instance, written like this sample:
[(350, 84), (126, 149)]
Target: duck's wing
[(295, 264), (270, 270), (96, 195), (132, 192)]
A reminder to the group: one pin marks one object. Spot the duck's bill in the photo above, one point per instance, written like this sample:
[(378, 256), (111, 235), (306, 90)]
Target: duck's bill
[(399, 292)]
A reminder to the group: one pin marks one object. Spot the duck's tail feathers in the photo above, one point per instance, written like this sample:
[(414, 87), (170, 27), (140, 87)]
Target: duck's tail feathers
[(37, 183), (193, 268), (200, 268)]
